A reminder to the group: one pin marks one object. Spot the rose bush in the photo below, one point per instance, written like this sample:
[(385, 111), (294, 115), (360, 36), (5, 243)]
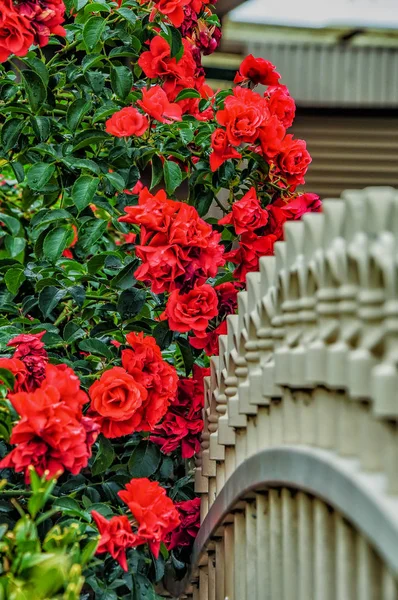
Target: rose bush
[(134, 199)]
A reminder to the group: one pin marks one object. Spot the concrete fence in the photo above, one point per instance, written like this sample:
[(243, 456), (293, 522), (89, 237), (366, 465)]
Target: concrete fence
[(298, 471)]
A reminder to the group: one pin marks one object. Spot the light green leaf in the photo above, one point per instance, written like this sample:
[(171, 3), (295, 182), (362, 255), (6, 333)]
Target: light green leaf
[(104, 457), (83, 191), (76, 112), (172, 176), (121, 81), (10, 133), (56, 241), (35, 89), (92, 31), (14, 278), (39, 175), (49, 298)]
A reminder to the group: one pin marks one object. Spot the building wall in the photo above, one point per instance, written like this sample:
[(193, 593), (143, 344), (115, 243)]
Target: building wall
[(349, 149)]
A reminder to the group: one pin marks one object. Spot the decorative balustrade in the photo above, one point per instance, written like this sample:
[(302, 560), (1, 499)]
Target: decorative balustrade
[(298, 471)]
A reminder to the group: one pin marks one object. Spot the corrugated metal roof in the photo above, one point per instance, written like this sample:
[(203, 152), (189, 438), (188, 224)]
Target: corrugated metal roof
[(334, 74)]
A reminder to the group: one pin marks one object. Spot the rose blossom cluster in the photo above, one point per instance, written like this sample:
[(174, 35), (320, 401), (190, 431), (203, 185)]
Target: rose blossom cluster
[(155, 517), (52, 434), (136, 396), (259, 228), (28, 22), (178, 249), (183, 422)]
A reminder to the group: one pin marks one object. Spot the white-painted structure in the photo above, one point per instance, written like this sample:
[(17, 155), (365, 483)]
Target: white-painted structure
[(298, 471)]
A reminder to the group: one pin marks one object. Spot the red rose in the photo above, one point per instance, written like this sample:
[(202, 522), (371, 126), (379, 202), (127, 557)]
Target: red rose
[(257, 70), (52, 434), (30, 350), (293, 160), (271, 136), (190, 396), (281, 104), (244, 114), (186, 532), (157, 62), (221, 149), (227, 294), (115, 402), (176, 430), (156, 104), (247, 256), (126, 122), (144, 362), (46, 17), (116, 537), (209, 342), (16, 35), (173, 9), (19, 371), (177, 247), (153, 510), (135, 190), (198, 5), (300, 205), (247, 214), (68, 384), (191, 311)]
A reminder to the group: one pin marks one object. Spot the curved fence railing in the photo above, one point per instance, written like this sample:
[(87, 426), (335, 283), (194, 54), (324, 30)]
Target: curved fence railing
[(298, 471)]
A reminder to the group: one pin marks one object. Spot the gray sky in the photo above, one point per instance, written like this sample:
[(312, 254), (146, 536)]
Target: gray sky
[(320, 13)]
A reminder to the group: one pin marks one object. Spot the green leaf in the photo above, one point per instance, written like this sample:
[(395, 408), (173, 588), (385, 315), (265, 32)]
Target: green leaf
[(49, 298), (81, 163), (12, 224), (186, 135), (187, 93), (186, 353), (10, 133), (35, 89), (83, 191), (93, 231), (121, 81), (116, 180), (172, 176), (7, 378), (174, 39), (96, 347), (19, 171), (39, 67), (39, 175), (131, 302), (72, 332), (157, 171), (92, 31), (128, 14), (97, 7), (104, 457), (41, 127), (90, 60), (76, 112), (56, 241), (14, 245), (145, 460), (125, 278), (163, 335), (14, 278), (96, 263), (89, 137)]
